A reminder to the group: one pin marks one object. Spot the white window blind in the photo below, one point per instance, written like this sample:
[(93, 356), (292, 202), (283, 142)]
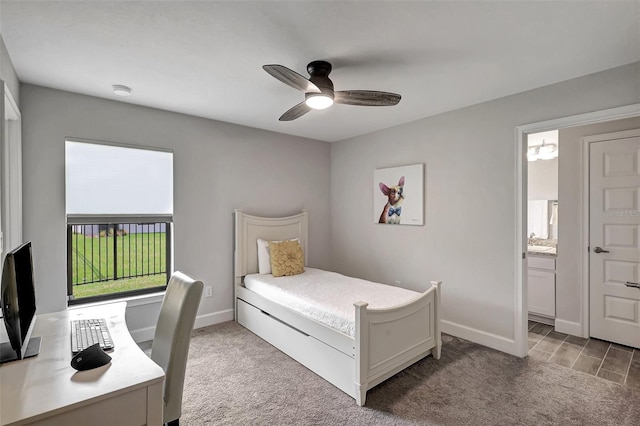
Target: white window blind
[(111, 180)]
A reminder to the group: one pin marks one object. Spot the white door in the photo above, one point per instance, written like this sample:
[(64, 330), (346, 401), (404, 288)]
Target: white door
[(614, 237)]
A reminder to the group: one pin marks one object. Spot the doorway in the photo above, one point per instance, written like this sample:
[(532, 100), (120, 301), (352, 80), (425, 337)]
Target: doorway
[(578, 325), (543, 206)]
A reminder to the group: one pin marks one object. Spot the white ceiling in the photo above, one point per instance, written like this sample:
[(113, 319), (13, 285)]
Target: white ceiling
[(204, 58)]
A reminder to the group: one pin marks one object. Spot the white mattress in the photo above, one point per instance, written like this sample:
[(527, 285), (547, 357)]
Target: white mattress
[(328, 297)]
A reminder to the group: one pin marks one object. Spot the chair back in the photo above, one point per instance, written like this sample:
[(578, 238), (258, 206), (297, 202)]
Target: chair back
[(172, 337)]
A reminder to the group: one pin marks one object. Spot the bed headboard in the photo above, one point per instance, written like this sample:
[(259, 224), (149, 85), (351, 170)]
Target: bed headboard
[(248, 229)]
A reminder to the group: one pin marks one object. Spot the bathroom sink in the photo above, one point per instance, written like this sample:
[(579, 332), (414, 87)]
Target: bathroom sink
[(541, 249)]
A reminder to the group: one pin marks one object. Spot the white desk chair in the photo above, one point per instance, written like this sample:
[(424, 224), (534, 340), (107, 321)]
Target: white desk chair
[(171, 341)]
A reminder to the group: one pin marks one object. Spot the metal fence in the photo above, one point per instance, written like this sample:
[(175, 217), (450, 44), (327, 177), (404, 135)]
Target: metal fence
[(115, 251)]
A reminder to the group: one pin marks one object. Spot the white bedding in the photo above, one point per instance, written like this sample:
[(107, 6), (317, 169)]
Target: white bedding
[(328, 297)]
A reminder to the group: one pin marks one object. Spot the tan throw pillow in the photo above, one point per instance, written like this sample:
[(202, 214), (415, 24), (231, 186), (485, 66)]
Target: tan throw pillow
[(287, 258)]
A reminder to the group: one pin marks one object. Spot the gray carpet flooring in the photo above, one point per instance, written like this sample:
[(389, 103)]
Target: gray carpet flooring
[(235, 378)]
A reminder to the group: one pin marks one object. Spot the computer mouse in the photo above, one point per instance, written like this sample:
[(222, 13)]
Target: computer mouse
[(92, 357)]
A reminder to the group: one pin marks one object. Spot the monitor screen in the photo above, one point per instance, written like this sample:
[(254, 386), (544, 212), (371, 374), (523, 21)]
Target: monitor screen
[(18, 300)]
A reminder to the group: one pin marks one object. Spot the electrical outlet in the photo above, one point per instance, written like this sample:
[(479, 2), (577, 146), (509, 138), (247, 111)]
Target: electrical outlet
[(397, 283), (208, 291)]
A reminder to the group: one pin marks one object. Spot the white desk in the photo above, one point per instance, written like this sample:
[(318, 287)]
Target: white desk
[(46, 390)]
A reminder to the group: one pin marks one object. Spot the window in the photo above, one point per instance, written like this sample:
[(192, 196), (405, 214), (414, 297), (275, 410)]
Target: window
[(119, 205)]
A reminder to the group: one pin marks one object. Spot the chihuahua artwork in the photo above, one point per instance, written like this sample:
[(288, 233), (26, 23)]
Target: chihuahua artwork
[(393, 209), (398, 195)]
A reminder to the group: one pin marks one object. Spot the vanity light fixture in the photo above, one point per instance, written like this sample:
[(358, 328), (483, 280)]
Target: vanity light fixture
[(532, 153), (121, 90), (545, 151), (548, 151)]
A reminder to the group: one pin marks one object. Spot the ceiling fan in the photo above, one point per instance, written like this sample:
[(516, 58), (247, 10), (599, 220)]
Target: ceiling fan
[(319, 93)]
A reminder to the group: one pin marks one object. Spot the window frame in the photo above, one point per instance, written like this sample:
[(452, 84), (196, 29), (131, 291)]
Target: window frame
[(100, 219)]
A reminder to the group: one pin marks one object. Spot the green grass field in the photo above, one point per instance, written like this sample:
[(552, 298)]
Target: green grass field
[(117, 286), (138, 255)]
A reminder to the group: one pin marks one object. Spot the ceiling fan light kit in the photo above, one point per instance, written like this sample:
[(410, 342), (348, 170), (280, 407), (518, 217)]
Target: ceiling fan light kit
[(318, 100), (319, 92)]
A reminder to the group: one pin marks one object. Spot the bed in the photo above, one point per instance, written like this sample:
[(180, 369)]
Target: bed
[(354, 352)]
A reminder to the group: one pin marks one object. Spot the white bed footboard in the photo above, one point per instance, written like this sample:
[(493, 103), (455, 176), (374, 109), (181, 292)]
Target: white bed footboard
[(389, 340)]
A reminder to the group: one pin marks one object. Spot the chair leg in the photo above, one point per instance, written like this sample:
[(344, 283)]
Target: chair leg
[(175, 422)]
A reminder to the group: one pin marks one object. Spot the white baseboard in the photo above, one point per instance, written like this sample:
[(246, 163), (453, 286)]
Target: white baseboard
[(569, 327), (213, 318), (483, 338), (542, 319), (147, 333)]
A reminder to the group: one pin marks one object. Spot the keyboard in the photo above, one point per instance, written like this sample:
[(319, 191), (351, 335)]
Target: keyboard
[(88, 332)]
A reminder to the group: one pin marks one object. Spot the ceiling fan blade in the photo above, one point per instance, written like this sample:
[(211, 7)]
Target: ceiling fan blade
[(291, 78), (297, 111), (366, 98)]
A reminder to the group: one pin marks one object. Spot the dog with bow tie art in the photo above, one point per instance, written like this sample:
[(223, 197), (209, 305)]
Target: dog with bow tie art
[(393, 209)]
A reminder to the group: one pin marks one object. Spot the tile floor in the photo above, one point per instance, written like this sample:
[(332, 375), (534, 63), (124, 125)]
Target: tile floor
[(617, 363)]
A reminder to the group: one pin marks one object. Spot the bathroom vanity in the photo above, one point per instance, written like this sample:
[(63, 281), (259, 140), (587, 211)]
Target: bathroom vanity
[(542, 284)]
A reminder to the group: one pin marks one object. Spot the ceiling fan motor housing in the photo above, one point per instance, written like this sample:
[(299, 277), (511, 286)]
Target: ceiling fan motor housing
[(319, 75)]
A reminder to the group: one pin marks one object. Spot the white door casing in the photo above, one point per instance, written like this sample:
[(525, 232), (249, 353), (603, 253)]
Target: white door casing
[(11, 174), (614, 237)]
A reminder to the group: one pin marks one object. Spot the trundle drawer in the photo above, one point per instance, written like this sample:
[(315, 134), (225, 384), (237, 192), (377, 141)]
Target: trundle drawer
[(324, 360)]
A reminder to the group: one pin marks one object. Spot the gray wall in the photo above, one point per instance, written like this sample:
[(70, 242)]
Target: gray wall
[(570, 251), (468, 240), (217, 167)]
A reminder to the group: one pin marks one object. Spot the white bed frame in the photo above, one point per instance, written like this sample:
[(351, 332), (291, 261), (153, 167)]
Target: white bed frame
[(386, 340)]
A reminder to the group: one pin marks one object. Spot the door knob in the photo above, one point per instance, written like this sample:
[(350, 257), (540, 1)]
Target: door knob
[(630, 284), (599, 250)]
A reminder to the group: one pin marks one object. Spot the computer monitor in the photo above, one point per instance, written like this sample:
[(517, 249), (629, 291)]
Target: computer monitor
[(18, 297)]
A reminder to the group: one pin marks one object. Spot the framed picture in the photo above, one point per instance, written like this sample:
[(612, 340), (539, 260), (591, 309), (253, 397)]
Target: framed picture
[(398, 195)]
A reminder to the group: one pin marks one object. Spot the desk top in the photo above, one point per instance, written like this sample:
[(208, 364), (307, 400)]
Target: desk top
[(38, 387)]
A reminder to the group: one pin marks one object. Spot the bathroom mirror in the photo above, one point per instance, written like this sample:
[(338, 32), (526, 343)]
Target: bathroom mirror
[(542, 218)]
